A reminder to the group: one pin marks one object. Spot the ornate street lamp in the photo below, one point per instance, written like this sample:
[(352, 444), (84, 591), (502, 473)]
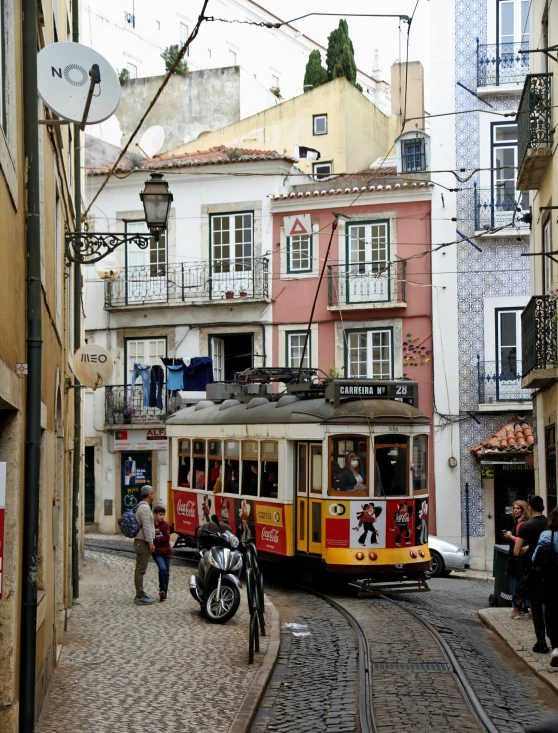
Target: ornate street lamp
[(90, 247)]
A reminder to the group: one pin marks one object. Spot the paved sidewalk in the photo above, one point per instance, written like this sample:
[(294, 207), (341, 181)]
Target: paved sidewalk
[(126, 668), (520, 637)]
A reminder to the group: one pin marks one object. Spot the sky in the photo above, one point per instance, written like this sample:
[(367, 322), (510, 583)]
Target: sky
[(367, 34)]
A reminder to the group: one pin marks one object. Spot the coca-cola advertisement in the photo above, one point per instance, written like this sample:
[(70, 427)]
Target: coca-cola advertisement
[(270, 528), (186, 517)]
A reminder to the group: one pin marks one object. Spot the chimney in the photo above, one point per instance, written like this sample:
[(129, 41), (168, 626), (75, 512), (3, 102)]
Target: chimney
[(413, 106)]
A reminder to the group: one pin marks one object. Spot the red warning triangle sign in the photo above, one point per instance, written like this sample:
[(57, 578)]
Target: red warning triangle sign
[(298, 227)]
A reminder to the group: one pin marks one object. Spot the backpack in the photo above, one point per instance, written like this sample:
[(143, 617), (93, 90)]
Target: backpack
[(128, 523), (546, 561)]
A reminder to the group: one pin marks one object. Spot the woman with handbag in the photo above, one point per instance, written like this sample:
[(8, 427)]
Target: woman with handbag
[(521, 513)]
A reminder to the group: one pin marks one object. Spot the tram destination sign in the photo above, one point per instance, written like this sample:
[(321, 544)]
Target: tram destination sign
[(404, 390)]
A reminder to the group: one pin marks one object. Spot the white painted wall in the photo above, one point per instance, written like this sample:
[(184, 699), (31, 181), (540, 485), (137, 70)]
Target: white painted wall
[(444, 277)]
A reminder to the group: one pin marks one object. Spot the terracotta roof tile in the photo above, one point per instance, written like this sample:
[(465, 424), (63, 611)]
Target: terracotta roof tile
[(514, 437)]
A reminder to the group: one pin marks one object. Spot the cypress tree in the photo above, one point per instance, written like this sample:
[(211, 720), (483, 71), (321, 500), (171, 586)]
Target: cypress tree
[(169, 57), (315, 74), (340, 56)]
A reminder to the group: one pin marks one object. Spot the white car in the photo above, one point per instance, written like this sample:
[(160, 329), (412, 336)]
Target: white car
[(446, 556)]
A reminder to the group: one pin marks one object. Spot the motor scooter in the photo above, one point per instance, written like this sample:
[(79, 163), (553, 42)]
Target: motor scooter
[(216, 587)]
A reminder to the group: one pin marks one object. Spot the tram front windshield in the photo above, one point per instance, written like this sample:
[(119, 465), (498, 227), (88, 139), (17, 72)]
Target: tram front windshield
[(391, 453)]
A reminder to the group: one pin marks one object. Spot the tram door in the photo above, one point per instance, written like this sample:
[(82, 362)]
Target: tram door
[(308, 498)]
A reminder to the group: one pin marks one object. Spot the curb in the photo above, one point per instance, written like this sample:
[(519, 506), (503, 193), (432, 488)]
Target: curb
[(540, 669), (251, 702)]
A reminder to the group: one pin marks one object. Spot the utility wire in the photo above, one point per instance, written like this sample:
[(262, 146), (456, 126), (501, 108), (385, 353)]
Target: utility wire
[(164, 83)]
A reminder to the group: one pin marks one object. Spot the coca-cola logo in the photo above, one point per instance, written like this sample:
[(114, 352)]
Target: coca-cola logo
[(270, 535), (186, 508)]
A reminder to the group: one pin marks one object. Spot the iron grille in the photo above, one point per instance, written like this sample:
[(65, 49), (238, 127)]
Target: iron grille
[(534, 115), (366, 283), (500, 381), (538, 334), (499, 206), (124, 405), (501, 63)]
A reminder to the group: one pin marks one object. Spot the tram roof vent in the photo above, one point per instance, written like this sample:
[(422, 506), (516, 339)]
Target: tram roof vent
[(229, 403), (203, 404), (257, 402), (287, 399)]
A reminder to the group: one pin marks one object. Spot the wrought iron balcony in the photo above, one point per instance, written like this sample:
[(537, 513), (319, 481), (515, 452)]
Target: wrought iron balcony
[(124, 406), (534, 133), (501, 63), (539, 344), (244, 279), (499, 207), (500, 381), (366, 284)]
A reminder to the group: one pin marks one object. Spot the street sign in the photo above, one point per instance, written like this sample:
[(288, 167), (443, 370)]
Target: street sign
[(2, 513), (404, 390), (63, 82), (301, 224)]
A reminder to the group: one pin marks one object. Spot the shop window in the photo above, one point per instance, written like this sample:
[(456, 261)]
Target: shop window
[(348, 465), (391, 454), (215, 456), (197, 478), (232, 467), (420, 464), (269, 464), (249, 475), (184, 462)]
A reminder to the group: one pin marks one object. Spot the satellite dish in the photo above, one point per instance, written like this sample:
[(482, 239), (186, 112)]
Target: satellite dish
[(63, 81), (93, 365), (152, 140)]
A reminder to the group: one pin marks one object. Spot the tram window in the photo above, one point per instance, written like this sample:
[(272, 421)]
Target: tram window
[(196, 476), (232, 467), (249, 476), (302, 458), (269, 469), (214, 452), (316, 521), (348, 465), (184, 463), (316, 469), (392, 465), (420, 464)]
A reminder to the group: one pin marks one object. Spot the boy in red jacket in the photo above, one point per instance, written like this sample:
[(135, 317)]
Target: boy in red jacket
[(163, 551)]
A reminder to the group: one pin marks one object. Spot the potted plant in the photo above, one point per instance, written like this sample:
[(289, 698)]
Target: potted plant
[(243, 293), (229, 295), (118, 408), (127, 414)]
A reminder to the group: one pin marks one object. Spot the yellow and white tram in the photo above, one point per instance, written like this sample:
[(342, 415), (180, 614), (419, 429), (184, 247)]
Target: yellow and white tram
[(334, 473)]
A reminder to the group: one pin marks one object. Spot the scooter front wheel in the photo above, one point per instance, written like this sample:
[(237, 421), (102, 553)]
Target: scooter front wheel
[(220, 610)]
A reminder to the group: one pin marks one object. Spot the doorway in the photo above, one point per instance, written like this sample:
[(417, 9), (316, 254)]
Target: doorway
[(136, 472), (309, 498), (511, 483), (231, 353), (89, 510)]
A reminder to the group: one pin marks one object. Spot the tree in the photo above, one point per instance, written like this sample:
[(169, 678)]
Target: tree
[(124, 75), (315, 74), (340, 58), (169, 56)]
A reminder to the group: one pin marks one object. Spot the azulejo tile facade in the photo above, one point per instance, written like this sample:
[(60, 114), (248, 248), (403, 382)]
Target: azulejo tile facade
[(497, 271)]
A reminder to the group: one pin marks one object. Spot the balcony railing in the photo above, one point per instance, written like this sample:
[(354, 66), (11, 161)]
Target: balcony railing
[(538, 335), (501, 63), (366, 283), (500, 381), (499, 207), (124, 405), (189, 281), (534, 133)]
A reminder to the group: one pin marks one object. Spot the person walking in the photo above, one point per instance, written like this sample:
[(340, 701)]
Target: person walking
[(143, 544), (549, 579), (521, 513), (531, 587), (163, 550)]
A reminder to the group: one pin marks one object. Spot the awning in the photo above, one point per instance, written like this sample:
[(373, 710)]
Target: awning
[(513, 439)]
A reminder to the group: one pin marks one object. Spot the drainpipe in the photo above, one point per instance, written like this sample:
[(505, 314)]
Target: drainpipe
[(77, 341), (30, 523)]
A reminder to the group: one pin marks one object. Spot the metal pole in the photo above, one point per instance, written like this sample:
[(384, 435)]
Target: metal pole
[(467, 517), (77, 341), (30, 517)]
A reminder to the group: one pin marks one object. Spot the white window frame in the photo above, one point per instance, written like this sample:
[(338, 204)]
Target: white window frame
[(183, 35), (317, 119), (275, 81), (520, 26), (246, 261), (299, 247), (296, 348), (320, 174), (372, 335), (152, 349), (234, 56), (132, 70)]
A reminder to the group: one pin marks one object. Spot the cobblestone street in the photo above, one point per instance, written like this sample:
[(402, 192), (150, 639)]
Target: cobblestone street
[(131, 669)]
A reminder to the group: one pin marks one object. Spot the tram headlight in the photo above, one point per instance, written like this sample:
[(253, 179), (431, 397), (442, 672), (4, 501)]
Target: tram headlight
[(360, 556), (421, 553), (413, 553), (372, 556)]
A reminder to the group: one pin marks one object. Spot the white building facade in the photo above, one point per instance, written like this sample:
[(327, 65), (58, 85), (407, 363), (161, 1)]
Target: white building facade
[(203, 290), (480, 283)]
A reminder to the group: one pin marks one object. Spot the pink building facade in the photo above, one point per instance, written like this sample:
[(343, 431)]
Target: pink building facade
[(373, 315)]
